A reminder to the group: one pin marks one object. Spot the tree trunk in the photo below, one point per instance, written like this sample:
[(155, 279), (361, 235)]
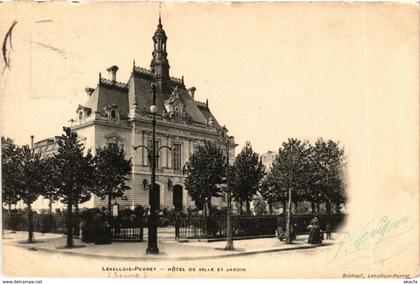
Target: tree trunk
[(205, 209), (240, 207), (317, 207), (50, 215), (289, 221), (328, 219), (284, 206), (30, 224), (9, 207), (109, 203), (328, 206), (295, 207), (312, 207), (50, 206), (69, 225), (248, 207), (209, 205), (270, 207), (76, 228)]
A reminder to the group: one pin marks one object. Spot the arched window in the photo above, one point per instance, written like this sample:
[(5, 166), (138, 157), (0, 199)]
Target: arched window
[(145, 184)]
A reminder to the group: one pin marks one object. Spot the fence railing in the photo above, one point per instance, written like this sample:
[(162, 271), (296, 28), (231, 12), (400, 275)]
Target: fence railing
[(250, 226), (43, 223), (301, 221), (127, 230), (122, 229)]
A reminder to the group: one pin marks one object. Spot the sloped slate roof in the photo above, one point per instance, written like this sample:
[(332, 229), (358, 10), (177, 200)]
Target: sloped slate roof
[(144, 96), (206, 113), (107, 95), (139, 88), (191, 108)]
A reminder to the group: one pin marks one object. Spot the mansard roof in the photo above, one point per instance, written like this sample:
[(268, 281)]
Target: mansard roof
[(138, 90), (108, 93), (204, 108)]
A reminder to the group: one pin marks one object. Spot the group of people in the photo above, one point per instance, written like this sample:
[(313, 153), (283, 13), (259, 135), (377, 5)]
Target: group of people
[(315, 234), (102, 223), (97, 227)]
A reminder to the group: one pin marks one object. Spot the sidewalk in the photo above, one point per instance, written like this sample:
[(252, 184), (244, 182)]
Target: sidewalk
[(169, 248)]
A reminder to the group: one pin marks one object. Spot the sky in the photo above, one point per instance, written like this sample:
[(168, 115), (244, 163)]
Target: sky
[(342, 71), (269, 73)]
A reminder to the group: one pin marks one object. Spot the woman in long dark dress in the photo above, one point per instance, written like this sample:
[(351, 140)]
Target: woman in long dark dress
[(314, 232)]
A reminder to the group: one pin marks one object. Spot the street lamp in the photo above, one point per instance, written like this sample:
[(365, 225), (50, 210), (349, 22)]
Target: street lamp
[(289, 237), (153, 154), (229, 234)]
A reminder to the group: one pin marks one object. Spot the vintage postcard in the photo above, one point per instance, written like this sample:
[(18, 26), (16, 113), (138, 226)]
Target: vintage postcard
[(210, 140)]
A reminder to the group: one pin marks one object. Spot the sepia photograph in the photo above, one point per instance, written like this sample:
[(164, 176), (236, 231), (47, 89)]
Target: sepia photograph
[(210, 140)]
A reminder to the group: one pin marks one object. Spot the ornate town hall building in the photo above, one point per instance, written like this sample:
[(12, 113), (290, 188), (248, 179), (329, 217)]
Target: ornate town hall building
[(117, 114)]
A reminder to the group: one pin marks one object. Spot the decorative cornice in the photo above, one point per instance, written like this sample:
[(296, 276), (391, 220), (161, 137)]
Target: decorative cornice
[(165, 174), (201, 104), (184, 127), (177, 80), (113, 84), (99, 122), (142, 72)]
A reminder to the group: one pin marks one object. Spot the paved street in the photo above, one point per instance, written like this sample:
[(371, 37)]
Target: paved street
[(18, 260)]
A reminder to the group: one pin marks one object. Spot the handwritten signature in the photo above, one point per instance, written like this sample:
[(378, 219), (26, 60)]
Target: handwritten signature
[(377, 242)]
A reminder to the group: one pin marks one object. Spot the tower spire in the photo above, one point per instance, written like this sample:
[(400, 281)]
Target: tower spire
[(160, 65), (160, 9)]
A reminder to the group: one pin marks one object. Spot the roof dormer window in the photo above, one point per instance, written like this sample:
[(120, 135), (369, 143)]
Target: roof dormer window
[(82, 113), (112, 112)]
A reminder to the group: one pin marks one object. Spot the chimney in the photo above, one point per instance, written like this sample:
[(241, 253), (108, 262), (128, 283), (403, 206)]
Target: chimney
[(191, 91), (89, 91), (113, 70)]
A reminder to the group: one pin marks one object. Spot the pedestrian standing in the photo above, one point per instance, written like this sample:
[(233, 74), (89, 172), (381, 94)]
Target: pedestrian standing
[(314, 232)]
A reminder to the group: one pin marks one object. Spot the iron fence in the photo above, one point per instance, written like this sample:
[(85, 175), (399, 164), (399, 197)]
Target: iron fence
[(215, 227), (130, 229), (198, 227), (43, 223), (127, 229)]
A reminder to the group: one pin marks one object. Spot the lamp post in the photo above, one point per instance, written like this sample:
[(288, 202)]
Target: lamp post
[(229, 237), (229, 234), (152, 247), (289, 237)]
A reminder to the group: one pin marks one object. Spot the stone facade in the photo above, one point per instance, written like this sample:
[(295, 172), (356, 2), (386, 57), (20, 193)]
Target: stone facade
[(117, 113)]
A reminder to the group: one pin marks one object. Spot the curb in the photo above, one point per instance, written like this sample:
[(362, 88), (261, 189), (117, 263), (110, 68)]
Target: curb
[(162, 257)]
